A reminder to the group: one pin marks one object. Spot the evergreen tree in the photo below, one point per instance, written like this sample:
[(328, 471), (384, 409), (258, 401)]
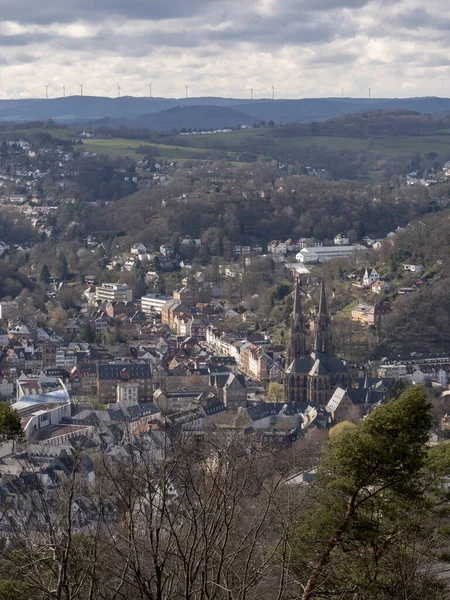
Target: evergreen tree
[(63, 268), (45, 275), (10, 425), (371, 502), (88, 334)]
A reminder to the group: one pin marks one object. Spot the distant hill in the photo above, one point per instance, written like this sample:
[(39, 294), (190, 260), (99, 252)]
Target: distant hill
[(187, 117), (209, 112)]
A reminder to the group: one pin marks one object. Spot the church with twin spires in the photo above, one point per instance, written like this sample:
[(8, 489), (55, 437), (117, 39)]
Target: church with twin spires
[(312, 375)]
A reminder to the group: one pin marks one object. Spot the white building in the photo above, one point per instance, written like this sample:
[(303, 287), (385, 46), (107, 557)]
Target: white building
[(370, 276), (42, 401), (65, 359), (127, 392), (341, 240), (153, 304), (138, 249), (322, 253), (380, 287), (395, 371), (416, 269), (6, 387), (114, 292)]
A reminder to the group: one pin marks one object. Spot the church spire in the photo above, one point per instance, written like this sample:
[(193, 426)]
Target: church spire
[(297, 343), (297, 314), (323, 300), (323, 340)]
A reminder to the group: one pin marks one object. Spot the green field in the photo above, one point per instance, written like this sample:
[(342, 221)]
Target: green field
[(267, 142), (60, 133), (386, 146), (127, 147)]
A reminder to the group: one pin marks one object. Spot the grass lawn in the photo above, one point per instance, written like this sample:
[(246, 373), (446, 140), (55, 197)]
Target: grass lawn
[(346, 312), (126, 147)]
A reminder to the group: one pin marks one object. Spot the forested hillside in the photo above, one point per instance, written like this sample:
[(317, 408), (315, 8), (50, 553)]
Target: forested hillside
[(256, 207)]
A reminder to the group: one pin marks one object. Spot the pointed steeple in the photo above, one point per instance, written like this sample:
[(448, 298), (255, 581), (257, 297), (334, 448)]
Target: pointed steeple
[(323, 310), (297, 314), (323, 340), (297, 343), (317, 347)]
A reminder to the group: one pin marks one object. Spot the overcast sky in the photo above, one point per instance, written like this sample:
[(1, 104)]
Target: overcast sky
[(307, 48)]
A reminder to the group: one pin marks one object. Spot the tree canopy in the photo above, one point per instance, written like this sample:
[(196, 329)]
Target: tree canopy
[(10, 426), (371, 503)]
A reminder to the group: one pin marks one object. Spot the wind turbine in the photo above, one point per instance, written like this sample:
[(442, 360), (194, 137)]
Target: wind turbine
[(370, 93), (251, 93), (81, 88), (118, 90), (64, 90), (187, 87), (150, 88), (273, 92), (46, 90), (342, 91)]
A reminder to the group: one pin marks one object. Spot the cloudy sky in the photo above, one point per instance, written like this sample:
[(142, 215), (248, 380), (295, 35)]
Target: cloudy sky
[(307, 48)]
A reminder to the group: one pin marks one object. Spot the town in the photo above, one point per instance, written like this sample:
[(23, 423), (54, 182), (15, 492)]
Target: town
[(147, 310)]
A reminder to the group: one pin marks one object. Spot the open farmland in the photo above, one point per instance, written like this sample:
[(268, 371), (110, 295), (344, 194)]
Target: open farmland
[(130, 148)]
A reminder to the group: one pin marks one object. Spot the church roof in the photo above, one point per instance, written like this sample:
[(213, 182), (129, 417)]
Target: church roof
[(301, 365), (318, 368), (326, 365)]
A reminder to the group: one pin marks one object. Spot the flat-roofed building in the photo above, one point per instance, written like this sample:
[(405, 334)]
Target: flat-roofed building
[(153, 304), (114, 292), (322, 253)]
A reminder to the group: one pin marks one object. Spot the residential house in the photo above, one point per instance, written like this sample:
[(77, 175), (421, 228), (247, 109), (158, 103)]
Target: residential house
[(341, 240), (276, 372), (235, 392), (364, 314), (83, 379), (416, 269), (380, 287), (254, 361), (167, 251), (370, 315), (171, 310), (22, 332), (370, 276), (138, 249)]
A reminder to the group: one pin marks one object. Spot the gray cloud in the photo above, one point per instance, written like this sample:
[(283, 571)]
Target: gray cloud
[(24, 39), (420, 18), (66, 11), (223, 46)]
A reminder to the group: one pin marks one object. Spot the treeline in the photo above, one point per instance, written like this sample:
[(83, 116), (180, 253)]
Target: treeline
[(372, 123)]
